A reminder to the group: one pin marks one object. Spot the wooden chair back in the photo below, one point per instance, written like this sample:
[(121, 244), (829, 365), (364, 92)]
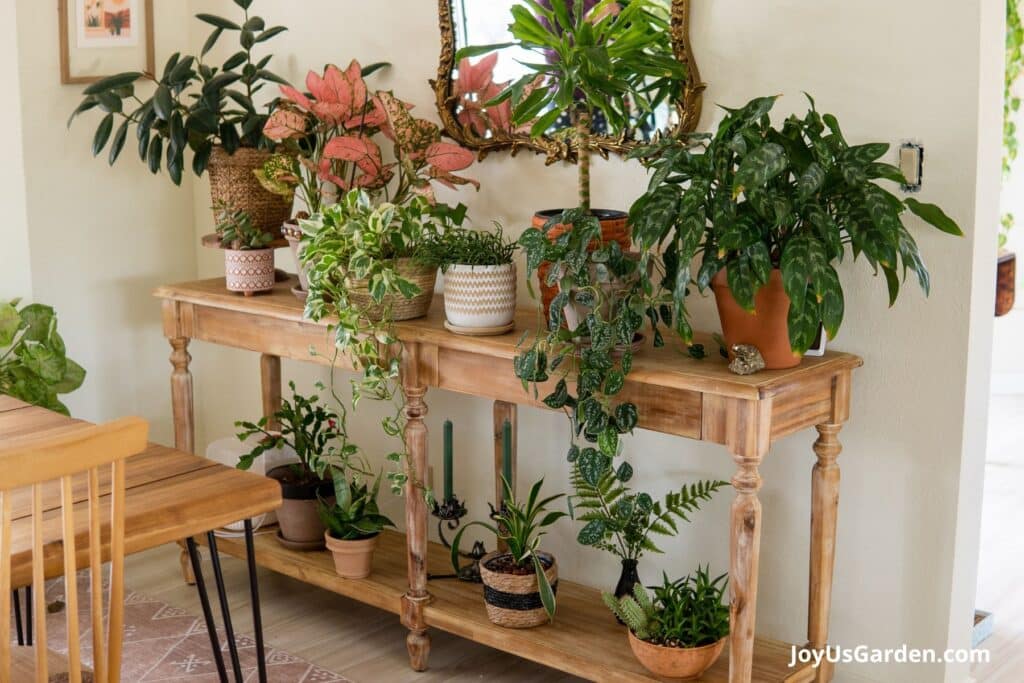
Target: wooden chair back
[(96, 454)]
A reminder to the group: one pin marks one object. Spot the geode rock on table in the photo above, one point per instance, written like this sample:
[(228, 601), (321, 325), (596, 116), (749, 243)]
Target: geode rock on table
[(747, 359)]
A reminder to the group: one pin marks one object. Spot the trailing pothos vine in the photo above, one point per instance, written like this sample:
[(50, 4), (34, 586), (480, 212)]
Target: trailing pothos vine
[(1011, 101)]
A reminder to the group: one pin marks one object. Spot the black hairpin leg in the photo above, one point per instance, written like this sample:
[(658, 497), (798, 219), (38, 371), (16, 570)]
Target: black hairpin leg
[(257, 618), (225, 610), (16, 597), (204, 600), (28, 615)]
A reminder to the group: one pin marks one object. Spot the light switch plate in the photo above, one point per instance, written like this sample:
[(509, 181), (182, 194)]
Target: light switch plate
[(911, 163)]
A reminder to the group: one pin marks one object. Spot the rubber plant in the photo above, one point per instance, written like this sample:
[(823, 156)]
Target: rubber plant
[(192, 105), (754, 197), (34, 366)]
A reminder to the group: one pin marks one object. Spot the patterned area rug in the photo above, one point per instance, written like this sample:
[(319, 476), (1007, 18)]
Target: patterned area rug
[(166, 643)]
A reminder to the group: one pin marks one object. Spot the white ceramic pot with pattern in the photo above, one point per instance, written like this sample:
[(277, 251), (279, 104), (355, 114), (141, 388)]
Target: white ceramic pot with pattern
[(249, 270), (480, 296)]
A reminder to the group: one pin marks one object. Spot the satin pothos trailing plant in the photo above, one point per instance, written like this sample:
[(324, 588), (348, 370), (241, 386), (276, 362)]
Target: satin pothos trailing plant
[(754, 197)]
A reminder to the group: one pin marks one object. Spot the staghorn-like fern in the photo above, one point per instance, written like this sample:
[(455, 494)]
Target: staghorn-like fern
[(622, 521)]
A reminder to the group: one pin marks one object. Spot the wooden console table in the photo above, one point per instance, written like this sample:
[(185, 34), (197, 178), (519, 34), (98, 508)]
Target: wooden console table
[(675, 394)]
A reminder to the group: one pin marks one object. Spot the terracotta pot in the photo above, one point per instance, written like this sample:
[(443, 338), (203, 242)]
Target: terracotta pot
[(232, 181), (1006, 282), (513, 600), (293, 234), (768, 330), (352, 559), (675, 662), (614, 227), (298, 518), (249, 270), (480, 296)]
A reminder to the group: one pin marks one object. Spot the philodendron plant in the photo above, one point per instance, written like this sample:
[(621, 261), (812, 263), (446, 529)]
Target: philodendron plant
[(753, 197), (34, 366), (193, 105)]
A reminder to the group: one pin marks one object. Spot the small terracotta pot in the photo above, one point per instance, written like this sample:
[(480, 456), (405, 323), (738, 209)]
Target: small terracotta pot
[(1006, 282), (352, 559), (249, 270), (614, 227), (767, 328), (298, 517), (480, 296), (675, 662), (513, 600), (293, 234)]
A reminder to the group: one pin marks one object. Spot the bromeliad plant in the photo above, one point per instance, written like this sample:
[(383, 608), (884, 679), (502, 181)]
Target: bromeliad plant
[(331, 133), (606, 56), (194, 105), (754, 197), (34, 366), (521, 526), (686, 613), (235, 230)]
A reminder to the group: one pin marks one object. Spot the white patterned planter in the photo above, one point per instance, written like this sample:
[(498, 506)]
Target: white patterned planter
[(249, 270), (480, 296)]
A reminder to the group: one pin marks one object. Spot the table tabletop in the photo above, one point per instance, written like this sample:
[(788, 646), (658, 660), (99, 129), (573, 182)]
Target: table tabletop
[(170, 495)]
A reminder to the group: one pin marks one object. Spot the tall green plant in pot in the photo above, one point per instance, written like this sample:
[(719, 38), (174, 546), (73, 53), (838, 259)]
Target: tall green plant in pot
[(607, 58), (770, 211)]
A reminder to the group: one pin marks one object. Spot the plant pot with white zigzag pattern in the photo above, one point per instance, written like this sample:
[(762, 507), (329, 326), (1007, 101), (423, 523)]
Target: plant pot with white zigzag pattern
[(249, 270), (479, 297)]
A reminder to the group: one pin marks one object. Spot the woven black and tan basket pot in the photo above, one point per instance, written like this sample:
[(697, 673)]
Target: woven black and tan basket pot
[(513, 601)]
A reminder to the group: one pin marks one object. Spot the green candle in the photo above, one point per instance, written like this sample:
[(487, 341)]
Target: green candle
[(447, 460), (506, 452)]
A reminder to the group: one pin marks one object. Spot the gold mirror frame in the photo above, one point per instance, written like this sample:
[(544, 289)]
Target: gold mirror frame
[(689, 107)]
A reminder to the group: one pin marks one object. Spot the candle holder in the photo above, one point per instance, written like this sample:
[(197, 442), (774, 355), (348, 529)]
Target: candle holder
[(449, 514)]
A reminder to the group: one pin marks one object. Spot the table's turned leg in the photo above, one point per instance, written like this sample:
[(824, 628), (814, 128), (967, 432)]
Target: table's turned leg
[(270, 385), (184, 420), (824, 513), (417, 597)]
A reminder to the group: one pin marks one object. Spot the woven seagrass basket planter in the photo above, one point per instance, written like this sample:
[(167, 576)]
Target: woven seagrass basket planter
[(232, 182), (424, 277), (513, 600)]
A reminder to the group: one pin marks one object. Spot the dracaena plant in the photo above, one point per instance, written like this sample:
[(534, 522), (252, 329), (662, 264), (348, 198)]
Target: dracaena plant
[(521, 525), (611, 57), (34, 366), (334, 133), (689, 612), (193, 105), (754, 197)]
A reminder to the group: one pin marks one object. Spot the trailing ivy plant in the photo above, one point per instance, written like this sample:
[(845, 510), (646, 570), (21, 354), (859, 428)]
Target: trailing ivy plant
[(34, 366), (754, 197), (1011, 101), (193, 105)]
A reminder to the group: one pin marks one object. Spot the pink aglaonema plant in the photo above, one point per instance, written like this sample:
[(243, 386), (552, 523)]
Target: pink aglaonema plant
[(333, 132), (473, 88)]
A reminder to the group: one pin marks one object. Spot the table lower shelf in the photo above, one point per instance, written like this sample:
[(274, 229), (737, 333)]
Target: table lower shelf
[(585, 639)]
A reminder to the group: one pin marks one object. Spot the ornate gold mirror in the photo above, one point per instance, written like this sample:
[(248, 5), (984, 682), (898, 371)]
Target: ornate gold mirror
[(484, 22)]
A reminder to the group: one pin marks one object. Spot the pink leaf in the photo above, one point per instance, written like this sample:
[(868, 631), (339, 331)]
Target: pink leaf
[(295, 96), (449, 180), (448, 157), (474, 78), (284, 124), (412, 135)]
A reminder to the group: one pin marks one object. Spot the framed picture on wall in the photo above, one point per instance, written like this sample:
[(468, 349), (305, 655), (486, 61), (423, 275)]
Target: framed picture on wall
[(100, 38)]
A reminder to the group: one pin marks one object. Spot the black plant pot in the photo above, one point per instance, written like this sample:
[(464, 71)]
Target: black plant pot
[(627, 579)]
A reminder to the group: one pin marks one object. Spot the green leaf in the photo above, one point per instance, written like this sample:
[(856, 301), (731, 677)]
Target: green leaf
[(10, 323), (547, 594), (163, 103), (608, 442), (591, 533), (39, 321), (862, 155), (625, 472), (74, 375), (155, 154), (219, 22), (276, 30), (99, 140), (934, 216), (211, 41), (810, 181), (244, 4), (796, 269), (760, 166), (112, 82), (118, 144), (592, 465), (44, 362)]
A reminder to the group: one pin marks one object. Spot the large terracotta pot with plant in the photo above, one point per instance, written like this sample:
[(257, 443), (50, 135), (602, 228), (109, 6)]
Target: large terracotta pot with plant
[(352, 518), (520, 584), (771, 223), (679, 629), (200, 107), (313, 431)]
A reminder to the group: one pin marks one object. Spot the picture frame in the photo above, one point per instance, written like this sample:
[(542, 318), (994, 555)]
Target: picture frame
[(99, 38)]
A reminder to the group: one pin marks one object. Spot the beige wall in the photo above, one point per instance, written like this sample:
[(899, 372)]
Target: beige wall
[(15, 266), (100, 238)]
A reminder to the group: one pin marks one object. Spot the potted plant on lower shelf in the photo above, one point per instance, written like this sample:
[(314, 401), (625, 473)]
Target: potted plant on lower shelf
[(479, 280), (248, 254), (771, 211), (680, 630), (353, 520), (317, 435), (520, 584)]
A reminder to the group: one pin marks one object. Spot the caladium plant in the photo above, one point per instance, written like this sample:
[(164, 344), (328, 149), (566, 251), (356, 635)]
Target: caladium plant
[(335, 130)]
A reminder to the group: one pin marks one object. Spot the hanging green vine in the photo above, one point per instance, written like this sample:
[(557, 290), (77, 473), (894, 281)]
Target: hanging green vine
[(1011, 102)]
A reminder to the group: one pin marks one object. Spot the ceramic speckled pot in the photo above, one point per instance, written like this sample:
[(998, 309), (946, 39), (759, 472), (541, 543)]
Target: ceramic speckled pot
[(675, 662), (249, 270), (480, 296), (352, 559)]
